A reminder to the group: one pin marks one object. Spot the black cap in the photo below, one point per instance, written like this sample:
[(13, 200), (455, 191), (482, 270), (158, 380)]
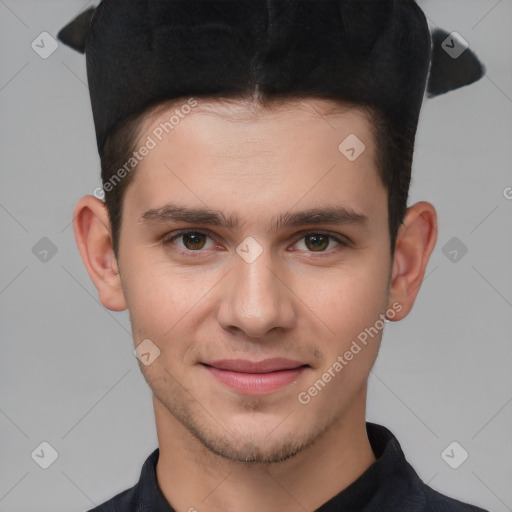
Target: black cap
[(142, 52)]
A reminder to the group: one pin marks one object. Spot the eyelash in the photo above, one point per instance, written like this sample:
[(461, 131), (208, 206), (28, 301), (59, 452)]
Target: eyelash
[(168, 239)]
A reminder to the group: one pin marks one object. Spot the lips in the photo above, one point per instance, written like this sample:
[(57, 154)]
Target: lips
[(256, 378), (265, 366)]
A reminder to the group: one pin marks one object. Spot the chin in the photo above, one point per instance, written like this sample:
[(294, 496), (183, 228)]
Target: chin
[(251, 452), (250, 436)]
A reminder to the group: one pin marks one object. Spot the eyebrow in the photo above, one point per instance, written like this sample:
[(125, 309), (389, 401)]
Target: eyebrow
[(335, 215)]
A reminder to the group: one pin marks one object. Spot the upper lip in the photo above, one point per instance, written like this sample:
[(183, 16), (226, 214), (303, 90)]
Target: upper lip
[(265, 366)]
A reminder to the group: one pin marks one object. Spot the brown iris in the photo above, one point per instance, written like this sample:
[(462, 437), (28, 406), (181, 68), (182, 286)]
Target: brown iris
[(193, 240), (318, 241)]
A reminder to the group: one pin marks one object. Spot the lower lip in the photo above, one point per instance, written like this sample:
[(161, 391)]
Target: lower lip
[(256, 383)]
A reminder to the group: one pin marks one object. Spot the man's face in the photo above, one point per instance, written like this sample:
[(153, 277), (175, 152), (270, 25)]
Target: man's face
[(260, 289)]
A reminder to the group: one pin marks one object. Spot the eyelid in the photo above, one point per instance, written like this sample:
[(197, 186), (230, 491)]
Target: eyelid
[(183, 231), (342, 239)]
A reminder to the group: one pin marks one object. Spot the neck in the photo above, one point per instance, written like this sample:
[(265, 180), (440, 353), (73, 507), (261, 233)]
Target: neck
[(192, 478)]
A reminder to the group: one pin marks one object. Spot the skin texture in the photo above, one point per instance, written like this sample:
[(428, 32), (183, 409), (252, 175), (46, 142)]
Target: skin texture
[(219, 448)]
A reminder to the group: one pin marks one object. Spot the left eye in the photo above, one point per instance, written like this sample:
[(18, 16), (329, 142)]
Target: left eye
[(194, 241), (318, 242)]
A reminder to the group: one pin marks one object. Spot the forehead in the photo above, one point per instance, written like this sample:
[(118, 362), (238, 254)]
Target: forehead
[(226, 153)]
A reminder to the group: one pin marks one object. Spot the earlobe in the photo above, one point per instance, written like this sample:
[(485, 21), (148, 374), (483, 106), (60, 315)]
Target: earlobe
[(415, 242), (94, 241)]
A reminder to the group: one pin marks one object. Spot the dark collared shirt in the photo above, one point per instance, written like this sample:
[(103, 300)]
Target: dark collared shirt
[(389, 484)]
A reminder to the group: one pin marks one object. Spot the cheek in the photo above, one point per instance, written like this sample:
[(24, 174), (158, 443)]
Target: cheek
[(351, 306), (155, 300), (350, 300), (163, 298)]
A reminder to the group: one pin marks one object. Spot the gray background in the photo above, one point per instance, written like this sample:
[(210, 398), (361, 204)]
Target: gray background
[(67, 372)]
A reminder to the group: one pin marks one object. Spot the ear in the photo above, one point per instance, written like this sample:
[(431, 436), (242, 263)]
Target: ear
[(415, 242), (93, 236)]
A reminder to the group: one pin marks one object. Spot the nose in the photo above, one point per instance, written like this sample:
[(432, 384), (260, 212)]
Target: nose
[(255, 298)]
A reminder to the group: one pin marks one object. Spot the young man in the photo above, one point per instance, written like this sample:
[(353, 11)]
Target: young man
[(256, 160)]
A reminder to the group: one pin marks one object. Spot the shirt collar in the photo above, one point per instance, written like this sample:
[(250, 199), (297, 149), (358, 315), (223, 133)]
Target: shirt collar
[(389, 480), (390, 483)]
